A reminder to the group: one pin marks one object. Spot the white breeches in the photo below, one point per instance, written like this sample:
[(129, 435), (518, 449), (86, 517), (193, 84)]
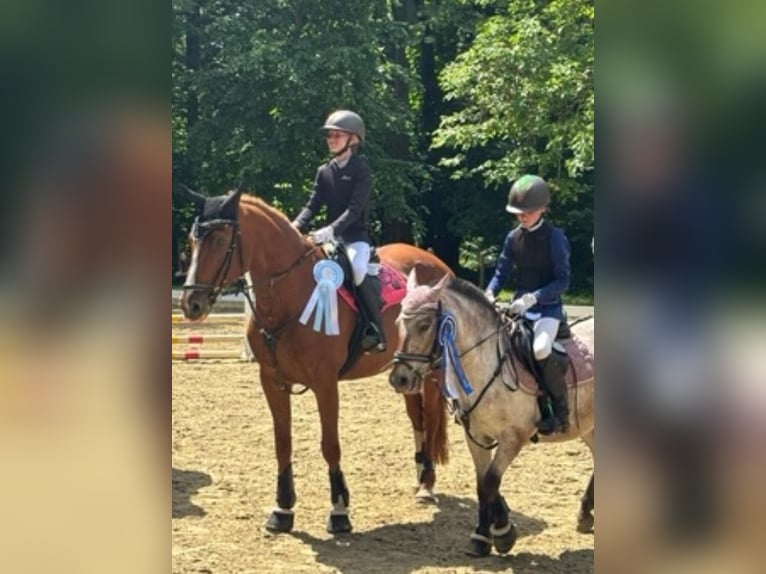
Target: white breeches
[(545, 334), (359, 254)]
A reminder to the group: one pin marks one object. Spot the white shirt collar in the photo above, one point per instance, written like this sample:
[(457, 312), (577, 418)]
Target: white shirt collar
[(537, 225), (341, 163)]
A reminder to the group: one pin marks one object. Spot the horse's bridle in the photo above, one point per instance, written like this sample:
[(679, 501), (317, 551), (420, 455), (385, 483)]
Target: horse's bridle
[(200, 230), (433, 359)]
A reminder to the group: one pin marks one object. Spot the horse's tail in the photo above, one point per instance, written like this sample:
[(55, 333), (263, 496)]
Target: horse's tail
[(435, 411)]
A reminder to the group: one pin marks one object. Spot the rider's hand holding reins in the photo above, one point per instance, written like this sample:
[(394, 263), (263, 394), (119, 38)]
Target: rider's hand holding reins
[(523, 303), (323, 235)]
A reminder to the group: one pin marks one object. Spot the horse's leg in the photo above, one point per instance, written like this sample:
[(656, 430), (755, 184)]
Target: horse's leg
[(503, 531), (425, 475), (327, 403), (585, 515), (494, 525), (480, 543), (281, 519)]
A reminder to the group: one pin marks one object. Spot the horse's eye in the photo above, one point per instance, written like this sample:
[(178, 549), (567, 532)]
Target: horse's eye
[(219, 243), (423, 326)]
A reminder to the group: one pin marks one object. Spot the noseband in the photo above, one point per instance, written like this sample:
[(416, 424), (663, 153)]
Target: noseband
[(199, 231)]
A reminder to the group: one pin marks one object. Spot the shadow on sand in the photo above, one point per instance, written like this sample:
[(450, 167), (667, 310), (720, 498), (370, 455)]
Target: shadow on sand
[(438, 542), (186, 483)]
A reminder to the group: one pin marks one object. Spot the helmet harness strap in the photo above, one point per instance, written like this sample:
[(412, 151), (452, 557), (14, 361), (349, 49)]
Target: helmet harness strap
[(346, 147)]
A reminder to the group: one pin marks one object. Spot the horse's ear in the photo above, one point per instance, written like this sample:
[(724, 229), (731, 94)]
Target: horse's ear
[(232, 201), (439, 287), (195, 197), (412, 280), (238, 192)]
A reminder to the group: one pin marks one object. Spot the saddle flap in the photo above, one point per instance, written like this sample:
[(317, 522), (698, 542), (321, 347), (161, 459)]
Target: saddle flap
[(521, 338)]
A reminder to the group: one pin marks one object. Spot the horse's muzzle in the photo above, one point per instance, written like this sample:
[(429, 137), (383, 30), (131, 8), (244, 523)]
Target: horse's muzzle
[(195, 304), (405, 380)]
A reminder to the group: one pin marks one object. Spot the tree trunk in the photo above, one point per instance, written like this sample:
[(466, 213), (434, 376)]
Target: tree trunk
[(445, 244), (192, 62), (397, 145)]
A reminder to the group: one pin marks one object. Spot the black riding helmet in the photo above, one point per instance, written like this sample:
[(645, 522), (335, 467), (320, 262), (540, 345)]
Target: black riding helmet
[(528, 193)]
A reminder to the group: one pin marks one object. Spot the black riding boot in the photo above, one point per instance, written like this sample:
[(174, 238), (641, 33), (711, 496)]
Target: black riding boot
[(374, 339), (553, 370)]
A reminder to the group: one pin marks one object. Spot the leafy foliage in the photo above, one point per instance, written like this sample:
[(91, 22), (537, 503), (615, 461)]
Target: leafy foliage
[(526, 92), (459, 97), (524, 103)]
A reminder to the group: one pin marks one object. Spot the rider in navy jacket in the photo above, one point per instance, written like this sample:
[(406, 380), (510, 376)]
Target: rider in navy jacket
[(548, 280), (538, 254)]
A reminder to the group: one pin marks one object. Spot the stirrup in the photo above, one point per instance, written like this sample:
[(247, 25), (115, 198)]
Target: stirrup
[(372, 339), (373, 346), (552, 424), (548, 425)]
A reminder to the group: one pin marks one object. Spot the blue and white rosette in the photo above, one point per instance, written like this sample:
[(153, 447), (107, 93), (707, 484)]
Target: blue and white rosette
[(446, 334), (329, 277)]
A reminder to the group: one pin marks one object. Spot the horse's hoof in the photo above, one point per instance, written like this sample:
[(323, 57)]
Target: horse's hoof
[(280, 521), (505, 541), (585, 523), (479, 546), (425, 495), (338, 524)]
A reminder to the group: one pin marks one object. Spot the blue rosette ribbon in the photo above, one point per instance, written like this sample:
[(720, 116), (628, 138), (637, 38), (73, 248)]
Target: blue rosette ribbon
[(451, 356), (324, 299)]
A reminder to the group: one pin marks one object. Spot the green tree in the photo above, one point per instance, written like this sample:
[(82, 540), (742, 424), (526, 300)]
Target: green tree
[(459, 96), (254, 80), (524, 103)]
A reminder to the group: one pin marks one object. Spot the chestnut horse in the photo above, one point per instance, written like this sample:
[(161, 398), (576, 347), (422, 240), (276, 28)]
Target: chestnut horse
[(238, 233)]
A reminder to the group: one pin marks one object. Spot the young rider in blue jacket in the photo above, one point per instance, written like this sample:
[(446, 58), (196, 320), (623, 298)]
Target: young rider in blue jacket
[(538, 252)]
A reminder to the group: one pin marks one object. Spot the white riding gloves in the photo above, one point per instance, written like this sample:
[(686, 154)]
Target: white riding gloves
[(523, 303), (490, 296), (323, 235)]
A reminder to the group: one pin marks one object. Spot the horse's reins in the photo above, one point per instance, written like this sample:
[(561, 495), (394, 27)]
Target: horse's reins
[(434, 356), (462, 415), (434, 359), (272, 279), (270, 335), (200, 231)]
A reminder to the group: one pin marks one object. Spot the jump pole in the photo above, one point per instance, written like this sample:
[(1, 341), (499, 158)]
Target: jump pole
[(212, 318), (198, 339), (200, 354)]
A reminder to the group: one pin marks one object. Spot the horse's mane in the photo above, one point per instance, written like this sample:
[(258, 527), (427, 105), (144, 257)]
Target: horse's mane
[(258, 202), (470, 292), (279, 218)]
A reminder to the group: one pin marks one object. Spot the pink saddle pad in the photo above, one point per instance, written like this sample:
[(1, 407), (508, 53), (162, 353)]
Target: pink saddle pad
[(393, 288)]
